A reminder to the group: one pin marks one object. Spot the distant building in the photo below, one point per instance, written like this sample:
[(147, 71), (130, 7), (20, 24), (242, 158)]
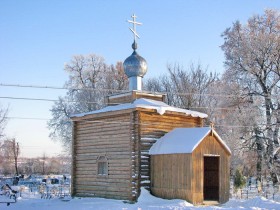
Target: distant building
[(111, 147)]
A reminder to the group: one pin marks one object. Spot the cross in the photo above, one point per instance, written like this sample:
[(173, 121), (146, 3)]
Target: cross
[(134, 26)]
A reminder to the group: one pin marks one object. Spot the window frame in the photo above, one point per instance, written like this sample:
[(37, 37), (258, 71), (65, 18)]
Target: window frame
[(102, 166)]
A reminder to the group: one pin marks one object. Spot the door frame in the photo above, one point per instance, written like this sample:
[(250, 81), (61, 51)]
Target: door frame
[(213, 156)]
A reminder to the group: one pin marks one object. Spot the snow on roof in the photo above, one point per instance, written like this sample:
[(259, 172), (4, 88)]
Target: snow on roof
[(161, 108), (182, 140)]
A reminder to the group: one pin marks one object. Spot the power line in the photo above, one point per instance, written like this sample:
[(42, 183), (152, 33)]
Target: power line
[(32, 86), (44, 99), (93, 102), (26, 118), (60, 88), (29, 99), (117, 90)]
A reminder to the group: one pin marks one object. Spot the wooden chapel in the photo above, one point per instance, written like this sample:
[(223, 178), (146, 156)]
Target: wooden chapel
[(110, 146)]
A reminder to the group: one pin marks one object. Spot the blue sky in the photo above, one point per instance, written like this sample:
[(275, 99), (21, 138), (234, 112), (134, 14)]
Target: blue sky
[(37, 37)]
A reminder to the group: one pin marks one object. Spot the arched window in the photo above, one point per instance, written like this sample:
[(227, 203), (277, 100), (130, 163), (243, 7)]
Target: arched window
[(102, 166)]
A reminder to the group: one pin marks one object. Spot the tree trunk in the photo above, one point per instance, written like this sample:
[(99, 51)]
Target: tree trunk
[(15, 146), (260, 152), (270, 141)]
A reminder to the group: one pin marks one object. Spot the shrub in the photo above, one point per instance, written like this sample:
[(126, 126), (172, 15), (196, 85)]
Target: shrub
[(239, 179)]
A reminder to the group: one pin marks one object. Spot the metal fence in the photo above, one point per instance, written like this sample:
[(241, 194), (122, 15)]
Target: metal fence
[(37, 189), (264, 189)]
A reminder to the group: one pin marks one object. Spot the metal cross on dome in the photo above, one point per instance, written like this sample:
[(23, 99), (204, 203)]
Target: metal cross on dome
[(133, 21)]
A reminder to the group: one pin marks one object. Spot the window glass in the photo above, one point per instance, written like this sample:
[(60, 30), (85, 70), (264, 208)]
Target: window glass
[(102, 166)]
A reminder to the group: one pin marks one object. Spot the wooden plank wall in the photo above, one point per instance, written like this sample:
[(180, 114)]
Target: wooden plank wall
[(210, 146), (154, 126), (111, 137), (171, 176)]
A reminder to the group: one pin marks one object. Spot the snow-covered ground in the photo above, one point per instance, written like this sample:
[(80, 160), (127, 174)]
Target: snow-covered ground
[(145, 202)]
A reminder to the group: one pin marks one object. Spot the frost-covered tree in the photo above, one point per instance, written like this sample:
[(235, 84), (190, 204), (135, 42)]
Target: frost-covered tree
[(252, 53), (10, 150), (236, 115), (3, 120), (187, 88), (90, 81)]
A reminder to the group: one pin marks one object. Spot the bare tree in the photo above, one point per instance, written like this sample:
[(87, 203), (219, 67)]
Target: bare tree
[(60, 124), (188, 88), (43, 162), (16, 151), (90, 80), (115, 79), (191, 85), (163, 84), (10, 151), (252, 54), (3, 120)]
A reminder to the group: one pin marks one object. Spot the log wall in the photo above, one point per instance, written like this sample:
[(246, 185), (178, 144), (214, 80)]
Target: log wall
[(154, 126), (125, 138), (109, 137), (129, 97)]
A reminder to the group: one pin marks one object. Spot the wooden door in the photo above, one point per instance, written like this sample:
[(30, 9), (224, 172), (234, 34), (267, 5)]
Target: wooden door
[(211, 178)]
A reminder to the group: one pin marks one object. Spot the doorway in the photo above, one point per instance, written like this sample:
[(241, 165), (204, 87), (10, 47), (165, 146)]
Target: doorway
[(211, 178)]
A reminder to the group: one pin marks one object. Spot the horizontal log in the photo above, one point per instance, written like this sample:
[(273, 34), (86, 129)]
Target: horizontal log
[(90, 158), (109, 142), (103, 192), (113, 182), (103, 122), (113, 163), (175, 116), (100, 132), (163, 128), (153, 133), (105, 139), (100, 116), (111, 172), (104, 119), (105, 128), (105, 143), (113, 195), (94, 177), (108, 150), (113, 176), (87, 140), (125, 189), (109, 154), (104, 178)]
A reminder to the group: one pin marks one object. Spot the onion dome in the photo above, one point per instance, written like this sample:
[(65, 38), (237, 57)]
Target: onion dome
[(135, 65)]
